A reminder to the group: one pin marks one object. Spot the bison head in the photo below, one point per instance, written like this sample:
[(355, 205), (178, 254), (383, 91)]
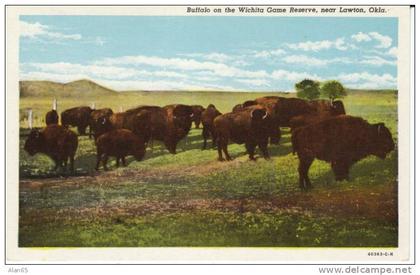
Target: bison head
[(34, 143), (182, 116), (259, 114), (383, 142)]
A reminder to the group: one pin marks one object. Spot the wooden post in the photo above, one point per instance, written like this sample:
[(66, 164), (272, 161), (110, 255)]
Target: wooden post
[(121, 109), (93, 106), (30, 118), (54, 106)]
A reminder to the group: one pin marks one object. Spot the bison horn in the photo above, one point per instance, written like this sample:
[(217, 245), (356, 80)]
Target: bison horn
[(266, 114)]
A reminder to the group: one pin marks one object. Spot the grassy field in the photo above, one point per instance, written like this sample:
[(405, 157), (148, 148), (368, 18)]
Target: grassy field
[(191, 199)]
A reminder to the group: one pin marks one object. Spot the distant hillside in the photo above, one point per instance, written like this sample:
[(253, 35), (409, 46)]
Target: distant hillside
[(79, 88)]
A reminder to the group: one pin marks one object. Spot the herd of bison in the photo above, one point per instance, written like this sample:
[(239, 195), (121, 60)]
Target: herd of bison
[(320, 130)]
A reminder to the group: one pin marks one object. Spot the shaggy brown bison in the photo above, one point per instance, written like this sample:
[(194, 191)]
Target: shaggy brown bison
[(169, 124), (97, 119), (197, 112), (51, 117), (78, 117), (137, 121), (118, 143), (341, 141), (178, 124), (207, 118), (251, 126), (57, 142)]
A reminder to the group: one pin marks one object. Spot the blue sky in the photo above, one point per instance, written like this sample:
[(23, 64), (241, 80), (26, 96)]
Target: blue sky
[(209, 53)]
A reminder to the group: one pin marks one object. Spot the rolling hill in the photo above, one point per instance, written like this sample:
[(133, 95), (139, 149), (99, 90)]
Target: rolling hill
[(79, 88)]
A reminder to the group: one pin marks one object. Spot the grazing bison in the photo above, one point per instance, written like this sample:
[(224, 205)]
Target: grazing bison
[(169, 124), (197, 112), (78, 117), (97, 120), (119, 143), (57, 142), (137, 121), (341, 141), (207, 118), (51, 117), (251, 126)]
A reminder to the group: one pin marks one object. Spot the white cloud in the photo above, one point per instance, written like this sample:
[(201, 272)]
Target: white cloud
[(292, 76), (393, 51), (305, 60), (254, 82), (35, 30), (315, 46), (376, 61), (383, 41), (360, 36), (269, 53), (367, 80), (217, 69)]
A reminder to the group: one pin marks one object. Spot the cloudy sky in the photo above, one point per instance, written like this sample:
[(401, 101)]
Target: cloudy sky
[(209, 53)]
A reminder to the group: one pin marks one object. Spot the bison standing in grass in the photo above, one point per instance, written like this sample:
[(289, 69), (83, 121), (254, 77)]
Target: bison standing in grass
[(207, 118), (57, 142), (78, 117), (169, 124), (341, 141), (251, 126), (51, 117), (197, 113), (97, 119), (119, 143)]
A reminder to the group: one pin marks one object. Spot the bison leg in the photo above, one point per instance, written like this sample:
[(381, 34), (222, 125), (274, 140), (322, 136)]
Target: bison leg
[(72, 163), (205, 134), (104, 161), (219, 150), (341, 170), (263, 149), (118, 161), (304, 164), (275, 136), (98, 160), (250, 149), (123, 161), (225, 150)]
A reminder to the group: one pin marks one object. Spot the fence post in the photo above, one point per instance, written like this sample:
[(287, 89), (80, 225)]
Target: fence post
[(121, 109), (93, 106), (30, 118), (54, 106)]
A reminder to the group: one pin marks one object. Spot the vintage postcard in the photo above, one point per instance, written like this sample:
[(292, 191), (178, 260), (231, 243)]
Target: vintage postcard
[(209, 134)]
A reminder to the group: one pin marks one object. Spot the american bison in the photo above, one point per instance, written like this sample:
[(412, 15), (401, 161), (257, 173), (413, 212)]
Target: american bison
[(119, 143), (137, 121), (251, 126), (97, 119), (197, 112), (207, 118), (57, 142), (78, 117), (169, 124), (341, 141), (51, 117)]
